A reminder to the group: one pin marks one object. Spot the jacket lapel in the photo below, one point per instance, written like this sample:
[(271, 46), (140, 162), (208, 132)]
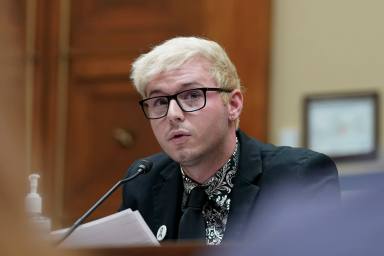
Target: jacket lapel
[(167, 200), (246, 187)]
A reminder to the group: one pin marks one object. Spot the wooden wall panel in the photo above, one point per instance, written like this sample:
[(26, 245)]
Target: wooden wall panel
[(45, 129), (120, 26), (13, 154), (243, 28)]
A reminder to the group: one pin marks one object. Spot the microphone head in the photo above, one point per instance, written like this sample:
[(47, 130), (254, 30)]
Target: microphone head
[(145, 165)]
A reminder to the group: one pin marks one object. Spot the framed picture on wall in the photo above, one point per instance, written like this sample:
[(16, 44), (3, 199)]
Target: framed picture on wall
[(343, 126)]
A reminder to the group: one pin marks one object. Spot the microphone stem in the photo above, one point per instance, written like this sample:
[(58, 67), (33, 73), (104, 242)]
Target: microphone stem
[(97, 204)]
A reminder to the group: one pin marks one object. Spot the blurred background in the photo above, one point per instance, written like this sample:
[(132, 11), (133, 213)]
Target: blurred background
[(68, 110)]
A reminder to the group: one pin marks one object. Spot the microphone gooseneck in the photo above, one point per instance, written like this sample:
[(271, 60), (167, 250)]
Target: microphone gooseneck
[(143, 167)]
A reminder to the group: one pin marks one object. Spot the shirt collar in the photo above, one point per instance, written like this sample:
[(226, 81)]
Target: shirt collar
[(214, 184)]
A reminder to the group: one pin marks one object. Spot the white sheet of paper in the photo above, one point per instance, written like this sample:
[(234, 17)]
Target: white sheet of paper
[(125, 228)]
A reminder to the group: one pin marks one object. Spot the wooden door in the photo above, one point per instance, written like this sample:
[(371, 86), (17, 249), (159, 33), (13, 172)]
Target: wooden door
[(106, 129)]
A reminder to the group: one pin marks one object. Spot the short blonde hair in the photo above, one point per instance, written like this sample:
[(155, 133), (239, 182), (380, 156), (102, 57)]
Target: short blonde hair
[(174, 52)]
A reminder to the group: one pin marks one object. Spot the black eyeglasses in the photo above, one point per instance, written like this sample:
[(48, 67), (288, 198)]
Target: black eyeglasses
[(188, 101)]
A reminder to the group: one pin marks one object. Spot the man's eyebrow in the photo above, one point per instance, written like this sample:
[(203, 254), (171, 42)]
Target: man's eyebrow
[(184, 85), (154, 92)]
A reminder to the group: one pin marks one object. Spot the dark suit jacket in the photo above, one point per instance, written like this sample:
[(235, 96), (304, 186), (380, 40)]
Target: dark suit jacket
[(266, 174)]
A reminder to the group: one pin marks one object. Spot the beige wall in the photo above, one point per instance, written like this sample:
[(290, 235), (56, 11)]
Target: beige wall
[(322, 46)]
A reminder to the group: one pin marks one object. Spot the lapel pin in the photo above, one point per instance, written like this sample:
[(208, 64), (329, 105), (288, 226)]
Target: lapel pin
[(161, 233)]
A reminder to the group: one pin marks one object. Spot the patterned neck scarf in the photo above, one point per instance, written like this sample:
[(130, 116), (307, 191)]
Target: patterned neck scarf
[(218, 189)]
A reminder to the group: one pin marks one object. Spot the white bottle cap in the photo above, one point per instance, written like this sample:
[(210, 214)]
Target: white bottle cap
[(33, 199)]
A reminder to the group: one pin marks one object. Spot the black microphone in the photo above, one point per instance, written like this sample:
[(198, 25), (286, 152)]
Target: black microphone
[(144, 166)]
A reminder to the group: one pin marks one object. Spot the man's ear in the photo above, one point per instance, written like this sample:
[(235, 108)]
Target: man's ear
[(235, 104)]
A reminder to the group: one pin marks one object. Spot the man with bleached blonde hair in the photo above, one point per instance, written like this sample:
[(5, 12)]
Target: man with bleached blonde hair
[(211, 175)]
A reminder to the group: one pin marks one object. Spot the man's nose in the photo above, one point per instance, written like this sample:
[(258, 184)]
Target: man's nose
[(174, 110)]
